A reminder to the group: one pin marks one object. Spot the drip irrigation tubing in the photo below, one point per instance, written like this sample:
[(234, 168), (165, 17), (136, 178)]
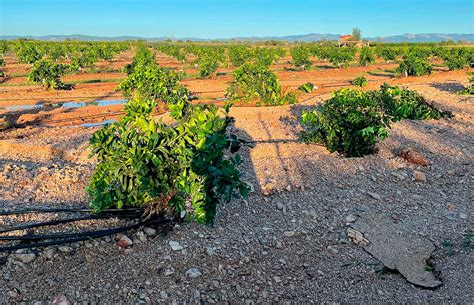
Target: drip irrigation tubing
[(82, 236), (62, 210)]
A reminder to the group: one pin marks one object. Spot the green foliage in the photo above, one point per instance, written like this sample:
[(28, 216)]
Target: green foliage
[(238, 55), (366, 56), (468, 90), (341, 56), (351, 123), (267, 56), (456, 58), (208, 64), (387, 53), (28, 54), (307, 87), (360, 81), (300, 57), (161, 167), (414, 65), (47, 74), (254, 81), (356, 34), (143, 58), (408, 104)]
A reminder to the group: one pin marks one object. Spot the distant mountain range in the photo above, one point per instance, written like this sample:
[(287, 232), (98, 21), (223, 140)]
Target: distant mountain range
[(432, 37)]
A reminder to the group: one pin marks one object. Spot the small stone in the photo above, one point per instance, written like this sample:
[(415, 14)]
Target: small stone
[(26, 257), (169, 272), (163, 295), (264, 253), (277, 279), (149, 231), (350, 218), (61, 299), (142, 236), (278, 245), (193, 273), (14, 294), (290, 233), (196, 294), (49, 253), (374, 195), (175, 246), (210, 251), (124, 242), (419, 176), (414, 157), (280, 206), (357, 237), (463, 215), (65, 249)]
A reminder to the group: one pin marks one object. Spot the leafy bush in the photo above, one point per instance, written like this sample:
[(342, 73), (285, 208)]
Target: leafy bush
[(342, 56), (456, 59), (255, 81), (469, 90), (413, 65), (239, 55), (307, 87), (351, 123), (387, 53), (300, 57), (366, 56), (47, 74), (267, 56), (163, 167), (143, 58), (208, 64), (28, 54), (360, 81), (408, 104)]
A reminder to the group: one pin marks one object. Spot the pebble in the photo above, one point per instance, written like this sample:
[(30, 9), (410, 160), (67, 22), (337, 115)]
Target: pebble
[(61, 299), (210, 251), (463, 215), (26, 257), (175, 246), (419, 176), (374, 195), (163, 294), (350, 218), (65, 249), (150, 232), (124, 242), (290, 233), (142, 236), (193, 273)]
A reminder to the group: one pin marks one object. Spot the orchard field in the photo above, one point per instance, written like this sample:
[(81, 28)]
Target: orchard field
[(260, 172)]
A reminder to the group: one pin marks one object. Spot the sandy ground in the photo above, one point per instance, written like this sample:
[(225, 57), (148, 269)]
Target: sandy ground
[(288, 241)]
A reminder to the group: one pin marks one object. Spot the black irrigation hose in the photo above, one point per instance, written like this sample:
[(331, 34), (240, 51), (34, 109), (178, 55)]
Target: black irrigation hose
[(61, 210), (92, 234), (65, 220)]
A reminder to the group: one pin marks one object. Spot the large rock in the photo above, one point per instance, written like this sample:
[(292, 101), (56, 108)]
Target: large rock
[(398, 249)]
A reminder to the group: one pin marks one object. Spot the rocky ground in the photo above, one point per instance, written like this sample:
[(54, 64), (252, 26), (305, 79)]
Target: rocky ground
[(295, 239)]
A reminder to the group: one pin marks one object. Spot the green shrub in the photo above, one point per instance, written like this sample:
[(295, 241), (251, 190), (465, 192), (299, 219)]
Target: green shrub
[(161, 167), (253, 81), (413, 65), (366, 56), (300, 57), (47, 74), (456, 59), (408, 104), (238, 55), (208, 64), (341, 56), (387, 53), (360, 81), (307, 87), (143, 58), (469, 90), (28, 54), (351, 123)]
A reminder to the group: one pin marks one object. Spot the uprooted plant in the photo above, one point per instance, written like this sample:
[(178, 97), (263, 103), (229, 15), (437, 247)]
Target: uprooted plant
[(353, 121), (188, 165)]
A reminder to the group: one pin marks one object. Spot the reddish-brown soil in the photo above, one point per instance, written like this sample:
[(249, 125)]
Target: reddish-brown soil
[(100, 83)]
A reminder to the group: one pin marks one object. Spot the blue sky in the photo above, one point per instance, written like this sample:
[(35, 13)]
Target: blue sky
[(225, 18)]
